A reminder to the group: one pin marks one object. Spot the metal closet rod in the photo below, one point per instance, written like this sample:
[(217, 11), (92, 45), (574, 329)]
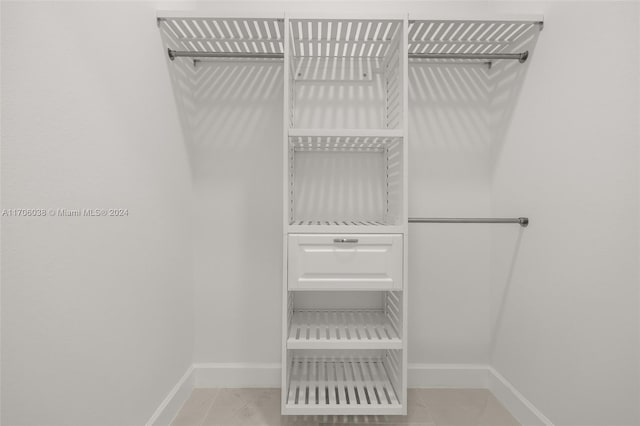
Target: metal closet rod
[(520, 57), (522, 221)]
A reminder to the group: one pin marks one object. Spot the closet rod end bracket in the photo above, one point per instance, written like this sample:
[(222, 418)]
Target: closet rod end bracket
[(523, 221), (171, 54), (523, 57)]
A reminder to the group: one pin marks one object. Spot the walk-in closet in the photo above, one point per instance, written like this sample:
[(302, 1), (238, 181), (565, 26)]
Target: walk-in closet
[(320, 213)]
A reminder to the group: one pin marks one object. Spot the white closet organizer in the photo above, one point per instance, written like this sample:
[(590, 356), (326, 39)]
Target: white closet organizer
[(346, 221), (344, 333)]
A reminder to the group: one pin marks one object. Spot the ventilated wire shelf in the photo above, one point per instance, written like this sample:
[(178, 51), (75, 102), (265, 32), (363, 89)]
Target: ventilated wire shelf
[(344, 385), (337, 223), (331, 329), (343, 38), (343, 143), (374, 40), (444, 37), (225, 35)]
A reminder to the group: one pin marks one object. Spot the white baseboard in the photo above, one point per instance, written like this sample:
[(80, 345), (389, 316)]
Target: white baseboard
[(469, 376), (169, 407), (267, 375), (520, 407), (237, 375)]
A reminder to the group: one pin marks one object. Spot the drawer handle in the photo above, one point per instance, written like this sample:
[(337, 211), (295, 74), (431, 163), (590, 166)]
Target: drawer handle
[(345, 240)]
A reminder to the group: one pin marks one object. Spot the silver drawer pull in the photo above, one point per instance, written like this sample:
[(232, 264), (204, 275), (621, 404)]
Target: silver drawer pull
[(345, 240)]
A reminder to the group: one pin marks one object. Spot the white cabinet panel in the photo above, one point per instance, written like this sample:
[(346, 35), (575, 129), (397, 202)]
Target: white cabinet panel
[(345, 262)]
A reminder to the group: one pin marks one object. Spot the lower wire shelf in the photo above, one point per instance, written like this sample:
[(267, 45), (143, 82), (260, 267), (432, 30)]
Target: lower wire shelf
[(339, 329), (340, 386)]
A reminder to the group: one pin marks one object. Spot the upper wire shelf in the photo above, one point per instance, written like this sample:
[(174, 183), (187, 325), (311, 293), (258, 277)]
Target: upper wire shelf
[(372, 39), (225, 35), (469, 39), (343, 38)]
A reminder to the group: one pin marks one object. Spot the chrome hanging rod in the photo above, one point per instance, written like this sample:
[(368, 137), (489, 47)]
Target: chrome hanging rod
[(521, 57), (523, 221), (186, 54)]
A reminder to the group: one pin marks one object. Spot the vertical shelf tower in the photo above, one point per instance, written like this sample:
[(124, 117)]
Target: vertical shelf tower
[(345, 216)]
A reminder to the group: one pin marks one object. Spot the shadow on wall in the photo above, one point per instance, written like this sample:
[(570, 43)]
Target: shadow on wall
[(333, 104), (223, 105), (465, 107), (231, 115), (506, 86), (507, 270), (507, 79), (347, 186), (449, 106)]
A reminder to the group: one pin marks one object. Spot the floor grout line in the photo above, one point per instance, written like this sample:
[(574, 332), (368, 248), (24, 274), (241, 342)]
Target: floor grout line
[(484, 408), (206, 414)]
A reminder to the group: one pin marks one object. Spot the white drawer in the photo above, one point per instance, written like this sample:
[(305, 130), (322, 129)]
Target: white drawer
[(345, 261)]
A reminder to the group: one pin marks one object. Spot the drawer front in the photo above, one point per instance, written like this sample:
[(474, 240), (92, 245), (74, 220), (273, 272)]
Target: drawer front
[(345, 261)]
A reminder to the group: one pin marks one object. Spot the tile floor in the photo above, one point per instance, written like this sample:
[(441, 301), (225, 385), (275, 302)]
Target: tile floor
[(427, 407)]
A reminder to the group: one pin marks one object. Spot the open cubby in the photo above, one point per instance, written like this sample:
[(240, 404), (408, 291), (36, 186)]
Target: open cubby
[(362, 320), (345, 181), (346, 74)]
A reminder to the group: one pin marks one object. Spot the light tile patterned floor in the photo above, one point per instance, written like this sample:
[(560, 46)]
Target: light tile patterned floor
[(427, 407)]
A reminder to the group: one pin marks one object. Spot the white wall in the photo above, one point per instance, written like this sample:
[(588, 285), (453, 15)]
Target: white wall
[(237, 169), (449, 176), (97, 322), (566, 288)]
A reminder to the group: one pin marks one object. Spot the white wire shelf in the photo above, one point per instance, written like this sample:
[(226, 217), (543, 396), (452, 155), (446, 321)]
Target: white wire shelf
[(371, 40), (225, 35), (468, 36), (343, 143), (339, 329), (338, 223), (343, 38), (352, 227), (350, 385), (344, 133)]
